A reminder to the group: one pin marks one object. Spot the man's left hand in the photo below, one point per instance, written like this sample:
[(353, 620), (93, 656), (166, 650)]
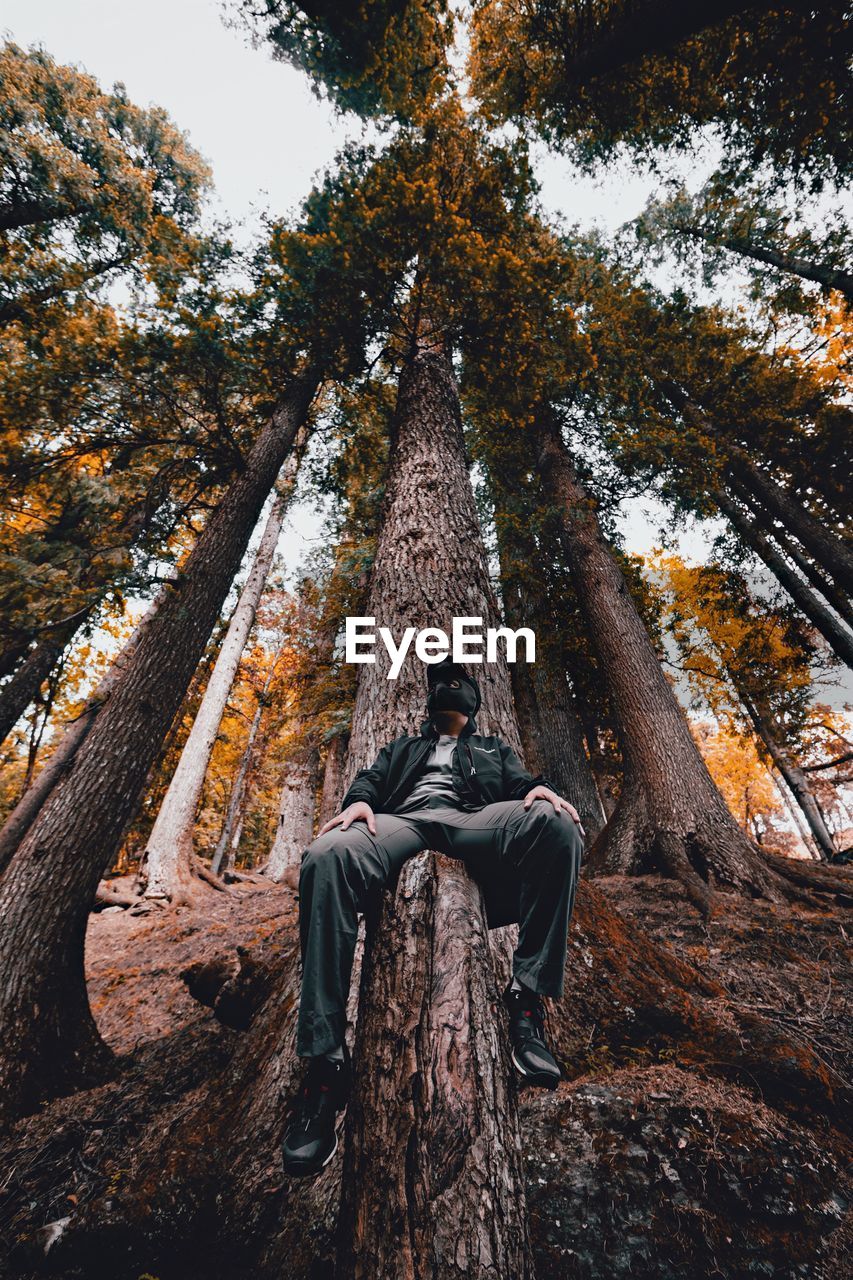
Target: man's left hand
[(545, 793)]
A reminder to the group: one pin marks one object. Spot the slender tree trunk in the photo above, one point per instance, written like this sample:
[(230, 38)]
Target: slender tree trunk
[(670, 811), (794, 813), (24, 813), (840, 602), (48, 887), (827, 548), (21, 689), (432, 1177), (170, 845), (819, 272), (224, 848), (295, 829), (793, 775), (833, 631)]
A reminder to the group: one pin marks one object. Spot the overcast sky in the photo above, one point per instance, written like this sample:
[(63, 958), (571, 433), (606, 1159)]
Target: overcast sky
[(266, 136)]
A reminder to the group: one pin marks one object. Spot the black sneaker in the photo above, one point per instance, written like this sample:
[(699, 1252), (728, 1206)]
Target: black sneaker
[(530, 1053), (311, 1138)]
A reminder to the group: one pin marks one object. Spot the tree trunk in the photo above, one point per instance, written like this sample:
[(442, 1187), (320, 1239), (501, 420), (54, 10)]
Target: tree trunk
[(828, 549), (793, 775), (333, 777), (224, 848), (24, 813), (840, 602), (19, 691), (819, 272), (432, 1178), (48, 887), (295, 829), (170, 845), (670, 811), (833, 631), (548, 719)]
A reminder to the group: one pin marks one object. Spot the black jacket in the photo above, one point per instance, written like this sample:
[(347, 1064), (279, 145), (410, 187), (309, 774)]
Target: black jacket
[(484, 770)]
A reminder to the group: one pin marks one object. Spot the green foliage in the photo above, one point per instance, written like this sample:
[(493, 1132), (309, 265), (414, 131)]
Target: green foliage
[(372, 56), (773, 80)]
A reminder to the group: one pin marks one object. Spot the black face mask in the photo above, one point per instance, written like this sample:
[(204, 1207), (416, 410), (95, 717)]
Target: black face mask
[(446, 697)]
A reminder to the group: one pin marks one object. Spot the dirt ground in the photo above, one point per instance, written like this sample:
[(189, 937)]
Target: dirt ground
[(639, 1165)]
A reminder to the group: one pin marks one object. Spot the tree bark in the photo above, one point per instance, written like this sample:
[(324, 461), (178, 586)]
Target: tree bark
[(225, 849), (171, 845), (432, 1177), (333, 777), (24, 813), (670, 812), (833, 631), (548, 719), (828, 549), (21, 689), (48, 887), (295, 829)]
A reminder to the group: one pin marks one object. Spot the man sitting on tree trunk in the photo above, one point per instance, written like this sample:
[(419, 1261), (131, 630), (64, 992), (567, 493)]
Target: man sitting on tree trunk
[(462, 794)]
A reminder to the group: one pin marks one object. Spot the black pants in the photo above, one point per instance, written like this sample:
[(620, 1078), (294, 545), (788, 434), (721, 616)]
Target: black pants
[(341, 869)]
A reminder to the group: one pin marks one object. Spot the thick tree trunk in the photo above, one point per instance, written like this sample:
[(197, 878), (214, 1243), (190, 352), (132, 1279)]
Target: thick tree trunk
[(827, 276), (21, 689), (295, 829), (822, 618), (548, 719), (793, 775), (670, 812), (24, 813), (170, 845), (47, 889), (432, 1177), (333, 777)]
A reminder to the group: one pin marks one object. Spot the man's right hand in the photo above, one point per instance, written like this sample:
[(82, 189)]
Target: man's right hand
[(360, 811)]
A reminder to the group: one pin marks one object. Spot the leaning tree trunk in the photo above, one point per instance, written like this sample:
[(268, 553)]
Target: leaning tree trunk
[(823, 619), (432, 1177), (295, 828), (47, 889), (796, 780), (670, 812), (25, 811), (19, 691), (170, 845)]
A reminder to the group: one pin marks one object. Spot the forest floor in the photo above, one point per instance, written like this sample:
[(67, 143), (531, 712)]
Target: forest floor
[(638, 1165)]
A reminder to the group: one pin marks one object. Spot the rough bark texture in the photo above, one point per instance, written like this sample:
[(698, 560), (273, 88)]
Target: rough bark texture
[(18, 692), (23, 815), (295, 828), (47, 889), (548, 719), (432, 1178), (226, 847), (670, 813), (834, 632), (170, 845), (333, 777)]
